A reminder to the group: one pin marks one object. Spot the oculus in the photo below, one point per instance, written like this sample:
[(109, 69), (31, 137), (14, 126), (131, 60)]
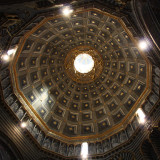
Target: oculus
[(83, 63)]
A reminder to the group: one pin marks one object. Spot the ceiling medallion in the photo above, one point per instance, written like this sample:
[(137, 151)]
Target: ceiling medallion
[(83, 64)]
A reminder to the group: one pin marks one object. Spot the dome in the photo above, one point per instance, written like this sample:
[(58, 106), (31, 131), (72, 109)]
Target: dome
[(78, 78), (75, 105)]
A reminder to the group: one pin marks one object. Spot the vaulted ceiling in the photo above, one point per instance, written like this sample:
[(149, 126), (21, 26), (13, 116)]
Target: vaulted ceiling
[(93, 104), (63, 108)]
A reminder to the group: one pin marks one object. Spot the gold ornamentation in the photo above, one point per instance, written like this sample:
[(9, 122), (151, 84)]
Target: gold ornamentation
[(70, 128), (87, 128), (54, 122), (83, 77)]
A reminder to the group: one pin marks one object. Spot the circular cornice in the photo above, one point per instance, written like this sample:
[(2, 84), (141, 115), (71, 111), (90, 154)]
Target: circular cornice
[(80, 77)]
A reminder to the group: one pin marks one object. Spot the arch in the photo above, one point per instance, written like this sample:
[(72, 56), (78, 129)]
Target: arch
[(155, 139), (147, 15), (159, 125), (123, 155), (8, 150), (148, 151)]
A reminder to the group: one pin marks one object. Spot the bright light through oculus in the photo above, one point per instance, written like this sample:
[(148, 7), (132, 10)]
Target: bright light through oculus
[(143, 45), (67, 11), (5, 57), (23, 124), (84, 150), (12, 51), (44, 96), (83, 63), (141, 116)]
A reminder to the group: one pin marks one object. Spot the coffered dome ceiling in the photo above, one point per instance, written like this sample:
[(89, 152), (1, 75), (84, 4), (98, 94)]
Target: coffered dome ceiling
[(70, 105)]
